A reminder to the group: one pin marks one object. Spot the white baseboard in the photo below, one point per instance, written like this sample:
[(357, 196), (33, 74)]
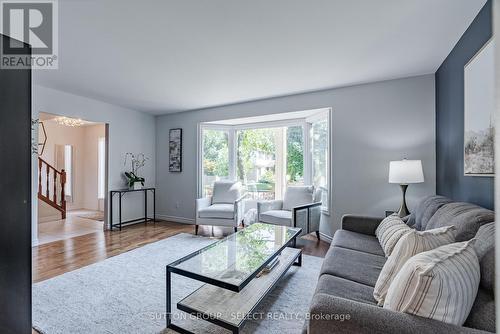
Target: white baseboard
[(325, 237), (34, 242), (175, 219)]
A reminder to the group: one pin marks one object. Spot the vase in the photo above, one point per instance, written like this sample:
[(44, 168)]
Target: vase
[(137, 186)]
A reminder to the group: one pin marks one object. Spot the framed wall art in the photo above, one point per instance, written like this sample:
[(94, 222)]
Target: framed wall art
[(479, 108), (175, 150)]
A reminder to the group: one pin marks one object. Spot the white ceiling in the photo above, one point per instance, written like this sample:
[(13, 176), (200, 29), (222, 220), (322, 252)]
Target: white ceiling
[(163, 56)]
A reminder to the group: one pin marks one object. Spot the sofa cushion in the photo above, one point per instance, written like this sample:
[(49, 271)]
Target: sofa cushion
[(226, 192), (218, 211), (355, 266), (485, 237), (425, 209), (357, 241), (390, 230), (440, 284), (485, 251), (297, 196), (276, 217), (466, 217), (487, 265), (343, 288), (482, 314), (409, 245)]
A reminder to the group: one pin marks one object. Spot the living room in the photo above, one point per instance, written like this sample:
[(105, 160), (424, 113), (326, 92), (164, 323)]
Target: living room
[(265, 167)]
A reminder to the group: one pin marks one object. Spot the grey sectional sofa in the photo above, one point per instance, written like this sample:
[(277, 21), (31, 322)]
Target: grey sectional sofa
[(343, 301)]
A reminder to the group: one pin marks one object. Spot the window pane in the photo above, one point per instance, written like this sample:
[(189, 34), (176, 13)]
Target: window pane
[(319, 144), (295, 156), (256, 161), (215, 158)]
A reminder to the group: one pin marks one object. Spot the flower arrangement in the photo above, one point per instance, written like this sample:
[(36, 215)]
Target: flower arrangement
[(137, 161)]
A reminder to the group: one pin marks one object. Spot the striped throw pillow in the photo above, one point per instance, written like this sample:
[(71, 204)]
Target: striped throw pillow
[(389, 231), (440, 284), (410, 244), (485, 237)]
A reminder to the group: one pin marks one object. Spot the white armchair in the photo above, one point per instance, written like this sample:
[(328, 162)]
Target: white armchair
[(301, 207), (223, 208)]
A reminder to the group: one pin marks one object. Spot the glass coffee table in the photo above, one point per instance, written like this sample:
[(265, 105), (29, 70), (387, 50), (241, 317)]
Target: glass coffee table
[(237, 274)]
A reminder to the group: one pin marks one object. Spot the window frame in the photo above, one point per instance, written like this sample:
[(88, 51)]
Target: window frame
[(325, 208), (305, 123)]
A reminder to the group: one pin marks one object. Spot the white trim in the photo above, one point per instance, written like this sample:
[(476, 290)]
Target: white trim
[(315, 118), (199, 166), (270, 124), (34, 242), (319, 115), (325, 237), (231, 146), (306, 131), (175, 219)]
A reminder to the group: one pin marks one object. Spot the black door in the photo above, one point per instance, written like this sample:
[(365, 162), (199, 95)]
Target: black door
[(15, 200)]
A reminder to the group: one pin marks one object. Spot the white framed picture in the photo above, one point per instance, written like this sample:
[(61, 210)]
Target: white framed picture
[(479, 107)]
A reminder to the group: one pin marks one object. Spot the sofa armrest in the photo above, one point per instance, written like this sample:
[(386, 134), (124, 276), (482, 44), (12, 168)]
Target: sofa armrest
[(263, 206), (307, 217), (330, 314), (360, 224), (204, 202)]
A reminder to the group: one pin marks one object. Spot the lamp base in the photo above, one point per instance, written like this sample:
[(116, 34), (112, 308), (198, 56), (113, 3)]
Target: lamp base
[(403, 209)]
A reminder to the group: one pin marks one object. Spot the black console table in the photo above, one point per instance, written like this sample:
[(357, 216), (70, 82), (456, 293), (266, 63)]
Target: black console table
[(121, 193)]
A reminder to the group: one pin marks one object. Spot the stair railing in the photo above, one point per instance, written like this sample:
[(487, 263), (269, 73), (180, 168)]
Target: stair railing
[(51, 182)]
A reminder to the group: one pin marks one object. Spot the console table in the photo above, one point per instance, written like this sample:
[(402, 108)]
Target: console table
[(121, 193)]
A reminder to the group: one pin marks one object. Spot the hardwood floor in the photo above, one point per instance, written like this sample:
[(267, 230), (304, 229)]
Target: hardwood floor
[(61, 256), (58, 257), (74, 225)]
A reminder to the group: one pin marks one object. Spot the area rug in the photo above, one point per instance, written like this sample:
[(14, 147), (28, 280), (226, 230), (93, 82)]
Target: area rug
[(99, 216), (126, 294)]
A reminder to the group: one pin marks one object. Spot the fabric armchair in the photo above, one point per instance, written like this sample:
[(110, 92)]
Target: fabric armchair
[(299, 208), (223, 208), (263, 206)]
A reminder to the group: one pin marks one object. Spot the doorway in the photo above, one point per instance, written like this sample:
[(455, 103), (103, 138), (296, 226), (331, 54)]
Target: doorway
[(72, 165)]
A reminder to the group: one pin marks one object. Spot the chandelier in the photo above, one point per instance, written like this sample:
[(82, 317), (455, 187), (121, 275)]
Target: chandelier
[(62, 120)]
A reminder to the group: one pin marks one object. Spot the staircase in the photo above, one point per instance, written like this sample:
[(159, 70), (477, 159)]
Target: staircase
[(51, 182)]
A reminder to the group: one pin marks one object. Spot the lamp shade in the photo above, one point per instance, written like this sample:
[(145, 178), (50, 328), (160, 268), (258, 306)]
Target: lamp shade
[(406, 172)]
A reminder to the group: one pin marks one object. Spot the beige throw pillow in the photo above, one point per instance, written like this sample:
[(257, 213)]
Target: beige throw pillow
[(412, 243), (389, 231), (440, 284)]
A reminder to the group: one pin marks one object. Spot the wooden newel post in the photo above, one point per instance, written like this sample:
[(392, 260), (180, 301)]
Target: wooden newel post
[(63, 195)]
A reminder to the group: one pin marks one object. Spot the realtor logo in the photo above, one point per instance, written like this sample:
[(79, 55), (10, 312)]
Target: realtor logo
[(34, 23)]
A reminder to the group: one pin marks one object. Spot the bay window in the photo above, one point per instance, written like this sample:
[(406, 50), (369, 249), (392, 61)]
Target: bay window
[(266, 157)]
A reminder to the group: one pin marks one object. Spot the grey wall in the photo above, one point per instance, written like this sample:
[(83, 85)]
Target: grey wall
[(129, 131), (372, 124), (451, 181)]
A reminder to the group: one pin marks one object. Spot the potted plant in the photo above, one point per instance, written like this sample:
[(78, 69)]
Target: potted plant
[(137, 161)]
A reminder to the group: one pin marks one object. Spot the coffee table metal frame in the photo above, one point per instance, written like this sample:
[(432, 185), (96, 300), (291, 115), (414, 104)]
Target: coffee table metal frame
[(225, 285)]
